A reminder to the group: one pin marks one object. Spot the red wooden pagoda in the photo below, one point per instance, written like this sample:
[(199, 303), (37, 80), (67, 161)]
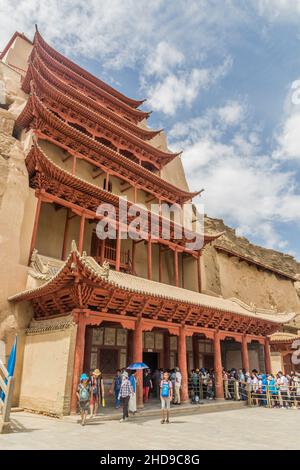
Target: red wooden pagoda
[(89, 121)]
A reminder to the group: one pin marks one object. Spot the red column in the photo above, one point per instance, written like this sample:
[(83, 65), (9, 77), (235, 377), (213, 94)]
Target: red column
[(81, 234), (64, 248), (107, 182), (74, 165), (78, 358), (218, 366), (245, 354), (199, 273), (267, 356), (176, 268), (35, 226), (133, 249), (138, 357), (118, 250), (149, 249), (160, 264), (182, 362), (182, 270), (102, 251)]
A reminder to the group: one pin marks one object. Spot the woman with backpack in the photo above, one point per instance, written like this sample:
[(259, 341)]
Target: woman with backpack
[(165, 397), (83, 395)]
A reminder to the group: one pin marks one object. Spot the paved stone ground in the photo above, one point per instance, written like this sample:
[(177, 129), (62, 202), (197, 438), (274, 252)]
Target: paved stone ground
[(248, 428)]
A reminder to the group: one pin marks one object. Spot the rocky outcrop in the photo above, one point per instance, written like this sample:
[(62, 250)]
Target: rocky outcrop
[(275, 259)]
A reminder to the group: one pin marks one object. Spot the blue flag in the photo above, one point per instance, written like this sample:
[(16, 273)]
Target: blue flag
[(11, 363)]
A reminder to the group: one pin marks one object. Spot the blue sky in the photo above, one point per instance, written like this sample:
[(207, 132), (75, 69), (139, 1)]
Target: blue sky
[(218, 76)]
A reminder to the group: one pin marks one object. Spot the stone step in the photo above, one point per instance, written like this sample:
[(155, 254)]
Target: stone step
[(185, 409)]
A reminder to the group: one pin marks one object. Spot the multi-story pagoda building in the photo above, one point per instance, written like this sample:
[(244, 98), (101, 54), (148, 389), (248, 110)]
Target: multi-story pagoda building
[(77, 302)]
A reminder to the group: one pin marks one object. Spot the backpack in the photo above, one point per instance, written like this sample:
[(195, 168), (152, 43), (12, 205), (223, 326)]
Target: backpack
[(84, 394), (165, 390)]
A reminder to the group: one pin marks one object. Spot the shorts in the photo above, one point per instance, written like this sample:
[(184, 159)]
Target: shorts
[(165, 403), (84, 405)]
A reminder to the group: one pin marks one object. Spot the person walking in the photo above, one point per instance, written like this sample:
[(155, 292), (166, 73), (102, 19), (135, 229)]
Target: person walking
[(115, 388), (147, 385), (124, 395), (132, 399), (178, 380), (83, 395), (97, 391), (165, 397)]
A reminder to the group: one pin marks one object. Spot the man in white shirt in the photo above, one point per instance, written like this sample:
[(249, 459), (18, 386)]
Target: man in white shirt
[(178, 379)]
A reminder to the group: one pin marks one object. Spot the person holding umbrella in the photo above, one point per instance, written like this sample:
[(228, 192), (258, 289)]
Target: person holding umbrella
[(138, 366), (132, 400)]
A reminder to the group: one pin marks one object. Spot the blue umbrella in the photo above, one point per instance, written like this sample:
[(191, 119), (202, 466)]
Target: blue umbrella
[(137, 366), (11, 363)]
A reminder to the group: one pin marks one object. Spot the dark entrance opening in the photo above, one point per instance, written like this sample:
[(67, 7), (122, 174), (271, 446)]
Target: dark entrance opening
[(151, 359)]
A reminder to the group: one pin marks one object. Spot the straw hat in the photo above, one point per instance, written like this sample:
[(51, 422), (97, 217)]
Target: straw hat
[(97, 372)]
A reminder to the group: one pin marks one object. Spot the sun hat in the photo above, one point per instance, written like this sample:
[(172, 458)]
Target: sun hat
[(97, 372), (83, 377)]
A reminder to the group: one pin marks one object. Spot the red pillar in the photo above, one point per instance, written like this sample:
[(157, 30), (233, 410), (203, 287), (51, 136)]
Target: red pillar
[(74, 165), (107, 182), (182, 270), (245, 354), (66, 231), (149, 249), (218, 366), (78, 357), (81, 233), (182, 363), (160, 264), (199, 273), (118, 250), (133, 249), (102, 251), (35, 226), (138, 357), (176, 268), (267, 356)]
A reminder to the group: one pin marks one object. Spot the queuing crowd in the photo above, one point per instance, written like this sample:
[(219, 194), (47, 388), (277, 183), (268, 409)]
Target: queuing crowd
[(280, 390)]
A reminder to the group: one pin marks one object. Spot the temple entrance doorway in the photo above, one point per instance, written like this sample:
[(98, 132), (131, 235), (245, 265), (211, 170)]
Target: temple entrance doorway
[(151, 359)]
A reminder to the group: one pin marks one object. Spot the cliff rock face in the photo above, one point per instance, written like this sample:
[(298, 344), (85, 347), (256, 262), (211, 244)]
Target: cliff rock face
[(231, 276), (14, 191), (275, 259)]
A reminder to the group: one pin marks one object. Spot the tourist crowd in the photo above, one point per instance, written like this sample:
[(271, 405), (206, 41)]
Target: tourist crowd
[(280, 390)]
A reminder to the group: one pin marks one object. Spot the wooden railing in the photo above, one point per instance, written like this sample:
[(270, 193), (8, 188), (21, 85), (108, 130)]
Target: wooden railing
[(6, 388), (110, 254)]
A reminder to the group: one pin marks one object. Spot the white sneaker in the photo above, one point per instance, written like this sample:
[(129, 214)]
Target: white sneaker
[(122, 420)]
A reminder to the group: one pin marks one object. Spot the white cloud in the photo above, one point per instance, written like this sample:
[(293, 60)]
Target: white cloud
[(289, 139), (175, 91), (163, 59), (242, 185), (279, 9)]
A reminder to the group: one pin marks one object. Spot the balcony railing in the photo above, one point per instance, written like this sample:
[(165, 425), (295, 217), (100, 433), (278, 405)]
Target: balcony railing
[(110, 255)]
